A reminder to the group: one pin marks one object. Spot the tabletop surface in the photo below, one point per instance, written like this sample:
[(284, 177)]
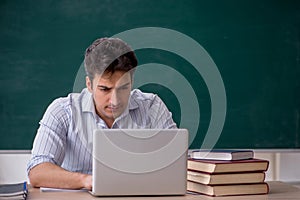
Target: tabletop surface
[(278, 190)]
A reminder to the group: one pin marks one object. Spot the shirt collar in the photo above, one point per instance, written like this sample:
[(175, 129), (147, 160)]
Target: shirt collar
[(87, 102), (132, 105)]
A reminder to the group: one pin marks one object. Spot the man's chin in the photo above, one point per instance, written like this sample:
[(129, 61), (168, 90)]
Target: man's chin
[(113, 115)]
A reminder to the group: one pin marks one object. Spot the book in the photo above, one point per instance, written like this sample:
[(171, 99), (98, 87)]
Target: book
[(222, 154), (225, 166), (231, 178), (226, 190), (16, 197), (14, 191)]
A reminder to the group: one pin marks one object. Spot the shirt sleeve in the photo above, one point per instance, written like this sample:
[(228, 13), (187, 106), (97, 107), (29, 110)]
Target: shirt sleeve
[(160, 116), (50, 141)]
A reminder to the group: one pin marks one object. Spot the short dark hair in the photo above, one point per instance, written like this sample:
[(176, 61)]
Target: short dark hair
[(107, 55)]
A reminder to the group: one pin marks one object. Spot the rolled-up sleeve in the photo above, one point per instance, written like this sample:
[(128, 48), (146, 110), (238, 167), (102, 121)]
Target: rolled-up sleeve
[(50, 141)]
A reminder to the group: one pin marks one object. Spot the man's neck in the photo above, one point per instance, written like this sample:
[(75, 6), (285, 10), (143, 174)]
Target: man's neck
[(109, 123)]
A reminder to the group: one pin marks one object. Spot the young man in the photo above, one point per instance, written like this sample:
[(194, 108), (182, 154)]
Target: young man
[(62, 149)]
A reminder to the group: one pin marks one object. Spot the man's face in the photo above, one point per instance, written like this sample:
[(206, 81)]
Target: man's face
[(110, 93)]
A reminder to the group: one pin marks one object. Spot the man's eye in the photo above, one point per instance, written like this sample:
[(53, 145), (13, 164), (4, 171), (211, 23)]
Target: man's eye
[(124, 88), (104, 89)]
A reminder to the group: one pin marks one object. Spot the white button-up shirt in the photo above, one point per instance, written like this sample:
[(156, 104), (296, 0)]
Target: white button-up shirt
[(65, 134)]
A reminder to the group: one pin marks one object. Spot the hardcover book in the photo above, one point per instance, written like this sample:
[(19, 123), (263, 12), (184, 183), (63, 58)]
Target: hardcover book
[(221, 166), (226, 190), (222, 154), (13, 191), (231, 178)]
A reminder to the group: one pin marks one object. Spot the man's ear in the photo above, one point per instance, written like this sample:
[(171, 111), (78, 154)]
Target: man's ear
[(89, 84)]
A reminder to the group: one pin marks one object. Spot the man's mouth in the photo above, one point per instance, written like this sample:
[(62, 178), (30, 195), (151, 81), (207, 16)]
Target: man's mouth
[(113, 108)]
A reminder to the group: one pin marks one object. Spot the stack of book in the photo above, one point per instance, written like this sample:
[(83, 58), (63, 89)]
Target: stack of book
[(13, 191), (226, 172)]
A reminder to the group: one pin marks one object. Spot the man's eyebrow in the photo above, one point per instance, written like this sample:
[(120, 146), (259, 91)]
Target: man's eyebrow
[(108, 88), (104, 87), (124, 85)]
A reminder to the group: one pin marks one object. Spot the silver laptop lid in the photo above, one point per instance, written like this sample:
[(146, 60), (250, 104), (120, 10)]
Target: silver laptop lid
[(139, 162)]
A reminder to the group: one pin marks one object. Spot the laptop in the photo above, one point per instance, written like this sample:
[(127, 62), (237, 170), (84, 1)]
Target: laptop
[(130, 162)]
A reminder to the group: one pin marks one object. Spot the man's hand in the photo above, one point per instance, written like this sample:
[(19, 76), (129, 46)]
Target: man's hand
[(87, 181), (53, 176)]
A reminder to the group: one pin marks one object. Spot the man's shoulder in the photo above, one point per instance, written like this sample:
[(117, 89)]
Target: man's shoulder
[(71, 99), (137, 94), (140, 99)]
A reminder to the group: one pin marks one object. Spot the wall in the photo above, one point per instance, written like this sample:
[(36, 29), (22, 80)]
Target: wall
[(284, 166), (13, 167)]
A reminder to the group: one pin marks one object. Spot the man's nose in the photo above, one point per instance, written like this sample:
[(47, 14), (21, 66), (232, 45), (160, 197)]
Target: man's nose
[(114, 100)]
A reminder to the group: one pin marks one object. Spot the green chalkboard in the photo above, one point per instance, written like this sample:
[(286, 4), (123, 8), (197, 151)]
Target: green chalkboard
[(255, 46)]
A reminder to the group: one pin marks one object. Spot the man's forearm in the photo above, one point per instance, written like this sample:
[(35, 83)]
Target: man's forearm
[(51, 175)]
